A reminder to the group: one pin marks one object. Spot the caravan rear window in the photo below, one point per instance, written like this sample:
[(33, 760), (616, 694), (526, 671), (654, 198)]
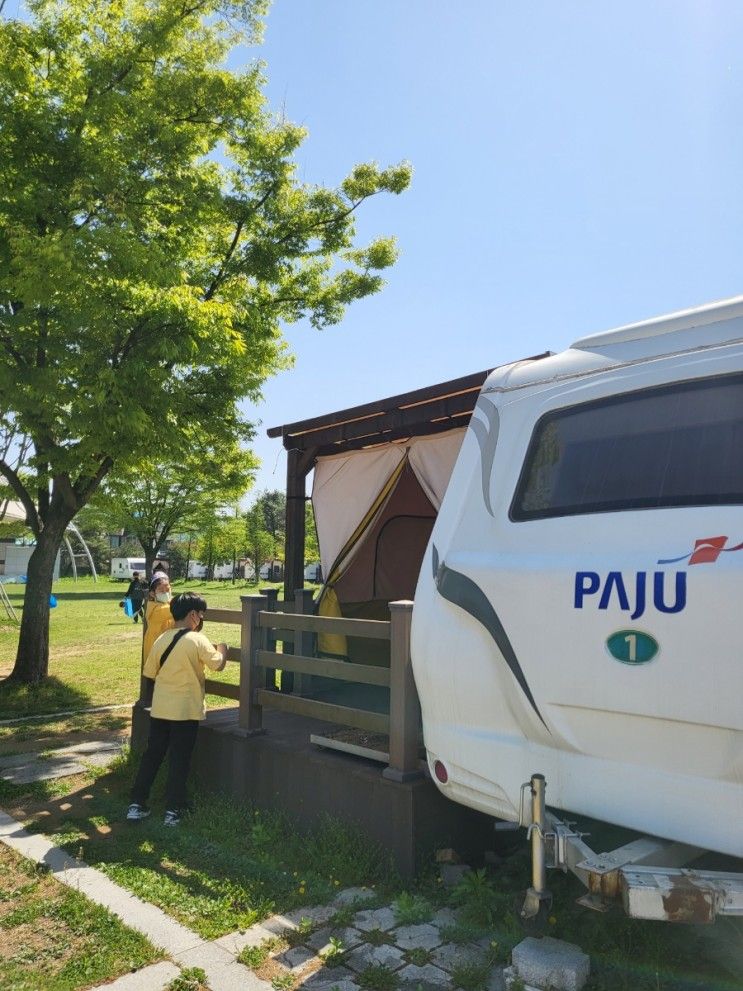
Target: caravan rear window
[(677, 445)]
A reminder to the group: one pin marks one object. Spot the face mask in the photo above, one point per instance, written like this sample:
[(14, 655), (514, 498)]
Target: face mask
[(162, 597), (199, 627)]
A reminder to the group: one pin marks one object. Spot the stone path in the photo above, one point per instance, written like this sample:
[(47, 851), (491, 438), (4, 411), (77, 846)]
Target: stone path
[(337, 947), (23, 769), (302, 947)]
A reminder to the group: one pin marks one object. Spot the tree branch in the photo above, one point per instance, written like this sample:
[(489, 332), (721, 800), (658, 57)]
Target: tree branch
[(32, 517)]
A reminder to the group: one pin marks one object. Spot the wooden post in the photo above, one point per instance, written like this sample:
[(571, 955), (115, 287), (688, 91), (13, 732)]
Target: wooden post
[(303, 642), (405, 712), (272, 605), (296, 475), (250, 715)]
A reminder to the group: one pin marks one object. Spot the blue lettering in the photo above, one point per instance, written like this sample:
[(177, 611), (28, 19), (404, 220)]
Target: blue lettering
[(614, 578), (581, 588), (658, 598), (639, 596)]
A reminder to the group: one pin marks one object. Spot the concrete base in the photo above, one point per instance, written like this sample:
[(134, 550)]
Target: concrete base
[(281, 769)]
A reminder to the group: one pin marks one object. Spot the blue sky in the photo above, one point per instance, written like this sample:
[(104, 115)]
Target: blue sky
[(577, 167)]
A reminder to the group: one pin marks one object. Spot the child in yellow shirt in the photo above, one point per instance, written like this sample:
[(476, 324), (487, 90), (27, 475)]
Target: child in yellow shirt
[(177, 663), (157, 615)]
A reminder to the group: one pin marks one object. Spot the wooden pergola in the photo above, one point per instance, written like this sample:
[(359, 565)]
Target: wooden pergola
[(431, 410)]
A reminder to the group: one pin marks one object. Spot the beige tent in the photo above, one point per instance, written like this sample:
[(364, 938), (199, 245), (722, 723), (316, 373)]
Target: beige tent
[(374, 511)]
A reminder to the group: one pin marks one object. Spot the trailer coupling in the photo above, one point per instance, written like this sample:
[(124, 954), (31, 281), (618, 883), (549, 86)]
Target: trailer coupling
[(647, 875)]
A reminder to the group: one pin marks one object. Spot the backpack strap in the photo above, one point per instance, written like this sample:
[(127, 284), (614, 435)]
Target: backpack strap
[(173, 642)]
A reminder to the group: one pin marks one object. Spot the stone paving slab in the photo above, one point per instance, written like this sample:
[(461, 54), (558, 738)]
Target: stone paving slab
[(328, 977), (376, 918), (427, 976), (295, 958), (320, 940), (549, 962), (331, 986), (424, 936), (450, 955), (156, 977), (374, 956), (26, 768), (223, 973), (236, 942)]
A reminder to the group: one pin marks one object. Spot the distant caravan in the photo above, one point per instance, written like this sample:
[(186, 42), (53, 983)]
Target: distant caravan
[(576, 613)]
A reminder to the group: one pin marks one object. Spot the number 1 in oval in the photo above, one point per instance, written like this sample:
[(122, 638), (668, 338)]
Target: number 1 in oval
[(632, 646)]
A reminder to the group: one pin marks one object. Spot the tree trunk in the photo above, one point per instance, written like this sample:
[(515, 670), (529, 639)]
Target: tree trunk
[(149, 560), (32, 659)]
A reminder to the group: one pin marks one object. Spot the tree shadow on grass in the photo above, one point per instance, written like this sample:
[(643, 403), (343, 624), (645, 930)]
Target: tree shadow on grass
[(52, 695), (113, 595)]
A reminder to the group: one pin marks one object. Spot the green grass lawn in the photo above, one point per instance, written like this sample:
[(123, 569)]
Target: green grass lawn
[(94, 649), (54, 939), (230, 864)]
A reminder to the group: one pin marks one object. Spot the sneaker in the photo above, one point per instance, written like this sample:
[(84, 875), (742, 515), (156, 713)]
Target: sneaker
[(172, 818), (137, 812)]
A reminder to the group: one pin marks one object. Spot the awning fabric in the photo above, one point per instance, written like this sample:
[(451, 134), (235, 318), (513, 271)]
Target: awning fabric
[(347, 486)]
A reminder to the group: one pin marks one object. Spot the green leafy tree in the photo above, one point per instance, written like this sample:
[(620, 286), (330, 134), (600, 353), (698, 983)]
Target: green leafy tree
[(223, 540), (273, 507), (261, 545), (153, 239), (311, 545), (158, 500)]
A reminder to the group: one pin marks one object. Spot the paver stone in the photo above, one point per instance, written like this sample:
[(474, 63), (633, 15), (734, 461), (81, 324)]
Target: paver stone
[(375, 918), (424, 936), (295, 957), (450, 955), (551, 963), (370, 956), (326, 977), (320, 940), (427, 976)]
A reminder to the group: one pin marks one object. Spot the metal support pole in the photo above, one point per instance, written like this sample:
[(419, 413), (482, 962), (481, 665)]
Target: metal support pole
[(537, 897)]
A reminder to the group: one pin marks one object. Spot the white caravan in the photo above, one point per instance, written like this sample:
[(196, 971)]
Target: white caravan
[(576, 611), (123, 568)]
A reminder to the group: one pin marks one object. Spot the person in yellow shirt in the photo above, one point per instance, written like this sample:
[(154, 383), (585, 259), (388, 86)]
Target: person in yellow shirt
[(157, 615), (176, 662)]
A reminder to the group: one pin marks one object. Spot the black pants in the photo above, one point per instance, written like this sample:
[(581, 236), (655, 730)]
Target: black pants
[(178, 737)]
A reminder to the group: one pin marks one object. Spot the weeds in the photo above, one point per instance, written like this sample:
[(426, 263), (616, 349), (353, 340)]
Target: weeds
[(377, 977), (470, 976), (418, 956), (478, 897), (377, 937), (191, 979), (283, 982), (411, 909), (335, 953), (254, 956), (343, 917)]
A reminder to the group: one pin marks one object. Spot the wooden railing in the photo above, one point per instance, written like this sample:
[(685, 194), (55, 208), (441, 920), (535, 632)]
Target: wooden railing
[(263, 626)]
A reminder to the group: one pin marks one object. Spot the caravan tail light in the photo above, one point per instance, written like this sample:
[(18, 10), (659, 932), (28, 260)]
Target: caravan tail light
[(440, 771)]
